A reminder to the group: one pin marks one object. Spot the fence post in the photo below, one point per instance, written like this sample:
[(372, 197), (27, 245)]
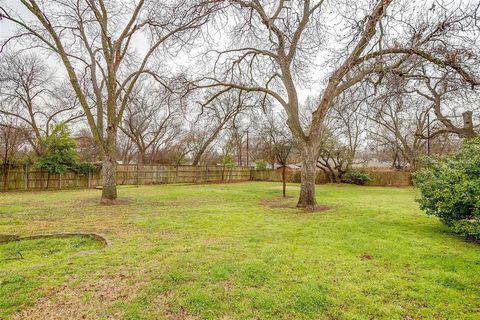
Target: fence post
[(206, 173), (59, 181)]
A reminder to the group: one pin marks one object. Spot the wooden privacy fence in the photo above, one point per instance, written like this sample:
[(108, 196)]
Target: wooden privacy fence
[(27, 177), (390, 178), (379, 178), (291, 176), (133, 174)]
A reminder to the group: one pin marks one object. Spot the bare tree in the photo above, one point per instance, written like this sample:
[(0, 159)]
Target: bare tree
[(93, 39), (440, 92), (219, 111), (276, 42), (87, 149), (280, 144), (126, 152), (398, 126), (344, 130), (334, 158), (152, 119), (179, 150), (238, 136), (28, 92), (419, 107), (11, 137)]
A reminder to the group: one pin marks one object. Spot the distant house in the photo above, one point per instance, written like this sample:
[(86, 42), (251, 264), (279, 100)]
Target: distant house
[(133, 161)]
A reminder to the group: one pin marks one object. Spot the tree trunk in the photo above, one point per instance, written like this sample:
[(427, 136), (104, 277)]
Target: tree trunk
[(331, 174), (109, 170), (469, 132), (284, 181), (6, 175), (307, 198), (209, 141), (143, 157), (327, 169), (109, 189), (341, 173)]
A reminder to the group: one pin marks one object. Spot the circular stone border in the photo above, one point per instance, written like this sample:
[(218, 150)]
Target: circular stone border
[(5, 238)]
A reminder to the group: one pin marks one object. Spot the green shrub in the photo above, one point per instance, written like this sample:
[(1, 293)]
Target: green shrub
[(469, 228), (356, 177), (450, 189), (228, 161), (260, 164), (60, 151)]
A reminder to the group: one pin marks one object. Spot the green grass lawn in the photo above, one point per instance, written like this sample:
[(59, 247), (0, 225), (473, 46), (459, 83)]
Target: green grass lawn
[(213, 252)]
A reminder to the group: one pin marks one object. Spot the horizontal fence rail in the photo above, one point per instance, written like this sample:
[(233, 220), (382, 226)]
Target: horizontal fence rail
[(27, 177)]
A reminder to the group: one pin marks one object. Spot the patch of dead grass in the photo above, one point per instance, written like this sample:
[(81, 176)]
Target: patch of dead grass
[(86, 301), (180, 315), (114, 202)]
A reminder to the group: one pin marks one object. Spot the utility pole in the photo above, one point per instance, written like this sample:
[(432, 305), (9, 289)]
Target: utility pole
[(248, 160), (239, 136)]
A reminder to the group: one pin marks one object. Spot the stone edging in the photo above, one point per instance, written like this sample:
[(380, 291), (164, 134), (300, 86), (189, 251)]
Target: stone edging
[(4, 238)]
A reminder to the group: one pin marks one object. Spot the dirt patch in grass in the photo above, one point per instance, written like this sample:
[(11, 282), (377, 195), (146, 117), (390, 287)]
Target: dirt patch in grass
[(366, 257), (228, 286), (181, 315), (169, 312), (286, 203), (89, 300), (97, 201), (114, 202)]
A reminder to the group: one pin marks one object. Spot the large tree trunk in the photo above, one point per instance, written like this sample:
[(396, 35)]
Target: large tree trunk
[(143, 157), (328, 170), (109, 189), (469, 132), (307, 198), (109, 170)]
